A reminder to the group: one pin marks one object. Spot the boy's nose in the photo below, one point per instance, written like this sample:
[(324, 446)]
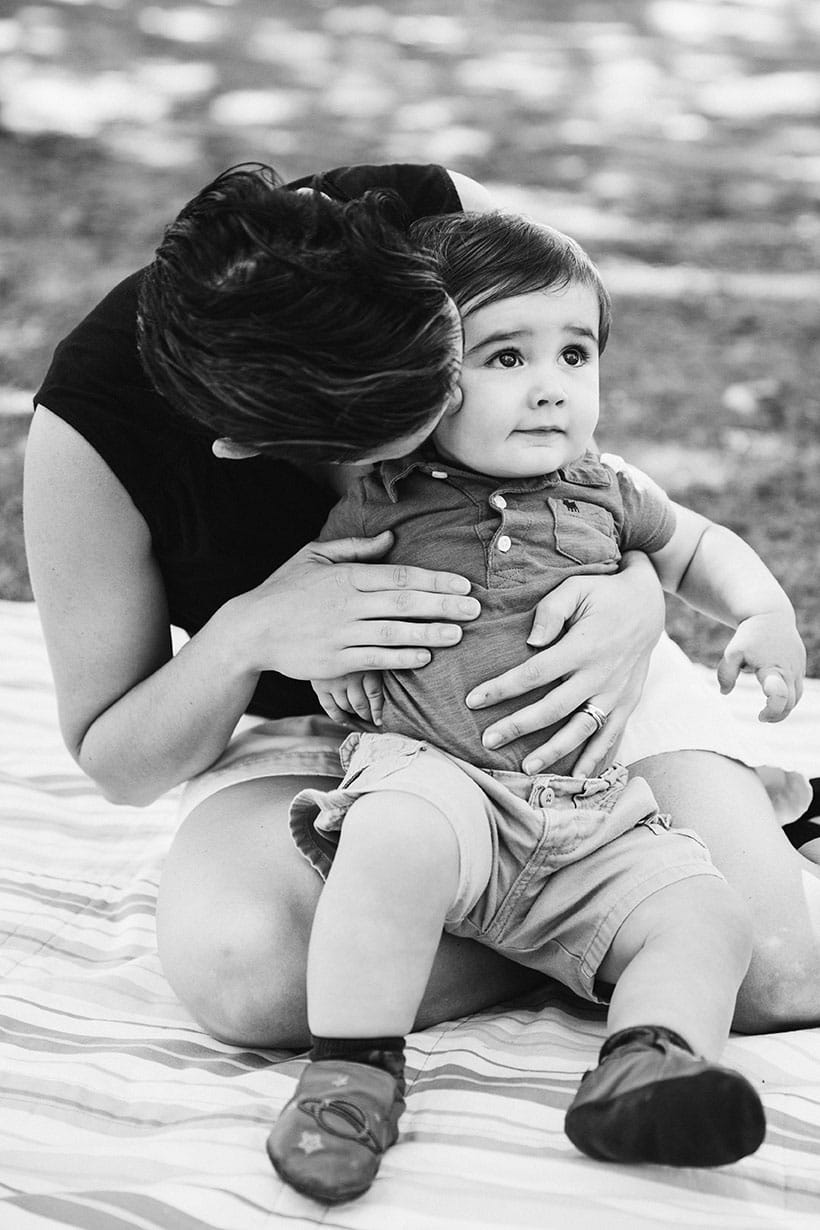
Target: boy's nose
[(547, 391)]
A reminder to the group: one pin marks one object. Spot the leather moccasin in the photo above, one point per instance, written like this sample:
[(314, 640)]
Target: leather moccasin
[(329, 1140), (652, 1100)]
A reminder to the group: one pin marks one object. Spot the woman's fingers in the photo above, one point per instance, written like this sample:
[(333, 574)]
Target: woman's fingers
[(366, 576), (543, 714), (412, 604), (538, 671), (595, 745)]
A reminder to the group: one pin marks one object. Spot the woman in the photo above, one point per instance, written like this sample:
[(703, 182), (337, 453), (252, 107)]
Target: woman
[(281, 333)]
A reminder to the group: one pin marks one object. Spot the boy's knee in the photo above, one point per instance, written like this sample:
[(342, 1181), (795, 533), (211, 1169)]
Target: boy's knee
[(399, 821)]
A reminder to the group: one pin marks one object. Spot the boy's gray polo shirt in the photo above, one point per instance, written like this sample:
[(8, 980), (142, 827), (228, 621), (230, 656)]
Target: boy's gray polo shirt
[(515, 540)]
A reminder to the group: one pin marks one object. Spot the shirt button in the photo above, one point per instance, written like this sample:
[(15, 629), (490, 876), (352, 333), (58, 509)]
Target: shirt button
[(498, 501), (504, 543)]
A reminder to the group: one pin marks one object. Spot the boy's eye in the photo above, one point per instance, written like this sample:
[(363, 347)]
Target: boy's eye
[(506, 358), (574, 356)]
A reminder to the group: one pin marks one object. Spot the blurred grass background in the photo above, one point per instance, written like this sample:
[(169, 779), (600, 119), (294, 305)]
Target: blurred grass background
[(677, 139)]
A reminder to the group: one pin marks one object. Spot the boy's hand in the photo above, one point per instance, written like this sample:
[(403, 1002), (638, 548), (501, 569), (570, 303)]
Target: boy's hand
[(769, 645), (359, 694)]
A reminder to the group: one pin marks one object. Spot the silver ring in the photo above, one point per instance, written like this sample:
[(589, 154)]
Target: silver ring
[(598, 716)]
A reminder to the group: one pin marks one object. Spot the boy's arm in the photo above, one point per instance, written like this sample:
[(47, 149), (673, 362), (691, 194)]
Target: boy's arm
[(715, 571)]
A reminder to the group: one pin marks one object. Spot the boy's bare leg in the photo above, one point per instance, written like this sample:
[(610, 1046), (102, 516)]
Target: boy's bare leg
[(236, 907), (375, 933), (656, 1095), (380, 916), (678, 961)]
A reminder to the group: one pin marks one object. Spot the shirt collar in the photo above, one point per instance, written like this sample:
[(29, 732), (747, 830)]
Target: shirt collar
[(587, 471)]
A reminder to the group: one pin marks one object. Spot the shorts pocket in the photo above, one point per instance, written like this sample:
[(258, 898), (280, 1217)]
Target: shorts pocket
[(584, 532)]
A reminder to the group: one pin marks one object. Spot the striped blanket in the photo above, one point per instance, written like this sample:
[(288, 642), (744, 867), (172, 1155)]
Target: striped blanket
[(118, 1113)]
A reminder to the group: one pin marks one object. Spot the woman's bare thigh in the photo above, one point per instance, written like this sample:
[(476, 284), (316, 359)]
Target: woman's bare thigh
[(725, 802), (235, 909)]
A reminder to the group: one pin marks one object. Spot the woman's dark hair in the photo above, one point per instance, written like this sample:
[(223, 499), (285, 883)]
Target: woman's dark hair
[(484, 257), (296, 324)]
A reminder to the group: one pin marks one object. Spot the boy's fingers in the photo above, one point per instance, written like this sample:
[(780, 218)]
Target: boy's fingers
[(728, 670), (331, 708), (779, 697), (372, 684)]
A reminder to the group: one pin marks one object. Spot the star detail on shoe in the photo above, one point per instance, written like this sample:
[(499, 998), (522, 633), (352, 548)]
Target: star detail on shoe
[(339, 1081), (310, 1142)]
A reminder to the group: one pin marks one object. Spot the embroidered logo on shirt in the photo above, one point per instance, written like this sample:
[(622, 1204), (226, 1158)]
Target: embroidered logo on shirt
[(570, 505)]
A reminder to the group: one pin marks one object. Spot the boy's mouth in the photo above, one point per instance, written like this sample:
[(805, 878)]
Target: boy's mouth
[(546, 432)]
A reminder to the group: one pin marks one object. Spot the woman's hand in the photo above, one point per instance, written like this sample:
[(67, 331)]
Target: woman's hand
[(601, 632), (329, 612)]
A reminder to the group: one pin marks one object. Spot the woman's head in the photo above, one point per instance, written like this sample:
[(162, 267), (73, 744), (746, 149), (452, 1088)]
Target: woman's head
[(296, 325), (485, 257)]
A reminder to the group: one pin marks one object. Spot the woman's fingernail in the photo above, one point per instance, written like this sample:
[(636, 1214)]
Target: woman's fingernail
[(491, 739), (532, 766)]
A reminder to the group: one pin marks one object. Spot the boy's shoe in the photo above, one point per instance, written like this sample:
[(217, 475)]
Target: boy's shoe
[(329, 1140), (652, 1100)]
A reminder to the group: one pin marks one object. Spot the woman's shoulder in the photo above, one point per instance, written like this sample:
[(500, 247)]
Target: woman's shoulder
[(97, 385)]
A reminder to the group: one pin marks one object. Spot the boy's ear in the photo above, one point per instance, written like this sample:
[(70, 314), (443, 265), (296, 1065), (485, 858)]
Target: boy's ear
[(229, 450), (454, 404)]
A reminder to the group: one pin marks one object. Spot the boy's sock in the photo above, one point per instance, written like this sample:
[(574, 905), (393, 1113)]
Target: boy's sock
[(330, 1138), (651, 1099), (385, 1053)]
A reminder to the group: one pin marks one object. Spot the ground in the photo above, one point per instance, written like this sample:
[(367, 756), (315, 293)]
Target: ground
[(677, 139)]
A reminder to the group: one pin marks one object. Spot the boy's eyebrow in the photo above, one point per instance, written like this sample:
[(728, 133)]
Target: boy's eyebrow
[(500, 335), (508, 335), (583, 331)]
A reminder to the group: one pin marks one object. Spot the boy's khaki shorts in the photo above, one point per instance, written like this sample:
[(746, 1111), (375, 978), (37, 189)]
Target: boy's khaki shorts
[(549, 867)]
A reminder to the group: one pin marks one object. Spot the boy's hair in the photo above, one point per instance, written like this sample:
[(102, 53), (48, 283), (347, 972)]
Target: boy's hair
[(484, 257), (296, 324)]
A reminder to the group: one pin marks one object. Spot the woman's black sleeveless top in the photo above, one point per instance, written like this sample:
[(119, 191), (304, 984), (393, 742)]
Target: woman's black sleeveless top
[(218, 527)]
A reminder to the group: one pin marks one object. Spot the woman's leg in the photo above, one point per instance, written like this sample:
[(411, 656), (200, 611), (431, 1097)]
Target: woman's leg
[(235, 911), (726, 804)]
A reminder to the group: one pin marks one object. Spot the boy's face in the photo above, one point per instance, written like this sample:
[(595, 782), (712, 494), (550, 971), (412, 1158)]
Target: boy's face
[(530, 384)]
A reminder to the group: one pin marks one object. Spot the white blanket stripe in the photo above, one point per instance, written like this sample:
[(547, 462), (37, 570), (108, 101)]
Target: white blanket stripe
[(119, 1113)]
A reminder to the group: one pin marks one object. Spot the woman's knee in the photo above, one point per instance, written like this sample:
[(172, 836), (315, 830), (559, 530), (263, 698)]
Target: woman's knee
[(240, 972), (782, 987), (235, 909)]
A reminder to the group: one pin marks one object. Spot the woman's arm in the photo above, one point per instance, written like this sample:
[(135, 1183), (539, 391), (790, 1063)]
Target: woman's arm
[(135, 719), (601, 632), (140, 721), (474, 197)]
